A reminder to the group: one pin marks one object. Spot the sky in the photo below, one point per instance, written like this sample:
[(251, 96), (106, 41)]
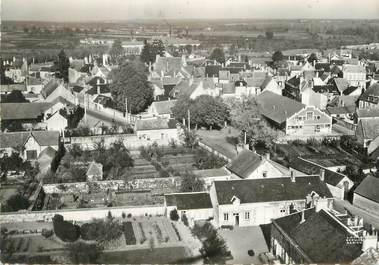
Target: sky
[(82, 10)]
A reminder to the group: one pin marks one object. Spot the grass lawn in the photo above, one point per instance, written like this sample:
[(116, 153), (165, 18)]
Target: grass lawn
[(146, 256)]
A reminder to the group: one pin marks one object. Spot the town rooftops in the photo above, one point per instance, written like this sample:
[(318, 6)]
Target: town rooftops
[(369, 188), (311, 168), (277, 108), (322, 237), (368, 113), (352, 68), (245, 163), (155, 124), (371, 94), (163, 107), (368, 128), (23, 111), (189, 200), (270, 189), (15, 139)]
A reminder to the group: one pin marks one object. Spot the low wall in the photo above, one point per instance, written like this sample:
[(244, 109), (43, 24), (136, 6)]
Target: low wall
[(80, 215)]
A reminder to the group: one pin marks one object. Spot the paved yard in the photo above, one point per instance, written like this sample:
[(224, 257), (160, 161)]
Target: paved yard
[(240, 240)]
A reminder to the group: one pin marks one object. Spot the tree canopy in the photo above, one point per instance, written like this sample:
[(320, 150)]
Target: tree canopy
[(191, 182), (204, 111), (151, 50), (15, 96), (117, 51), (218, 55), (80, 252), (62, 65), (130, 82), (277, 56), (312, 58)]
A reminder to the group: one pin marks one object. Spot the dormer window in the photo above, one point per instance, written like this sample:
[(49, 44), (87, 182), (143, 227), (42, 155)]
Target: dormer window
[(309, 115), (235, 200)]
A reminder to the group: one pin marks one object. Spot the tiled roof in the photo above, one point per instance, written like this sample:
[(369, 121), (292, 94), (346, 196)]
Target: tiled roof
[(269, 189), (277, 108), (321, 236), (245, 163), (11, 87), (49, 88), (369, 128), (369, 188), (373, 146), (368, 113), (189, 201), (15, 139), (49, 151), (168, 64), (371, 94), (77, 64), (95, 169), (341, 110), (163, 107), (213, 172), (350, 68), (155, 124), (341, 84), (310, 168), (22, 111)]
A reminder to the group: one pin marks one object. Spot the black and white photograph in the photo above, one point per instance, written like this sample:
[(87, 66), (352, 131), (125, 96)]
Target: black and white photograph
[(189, 132)]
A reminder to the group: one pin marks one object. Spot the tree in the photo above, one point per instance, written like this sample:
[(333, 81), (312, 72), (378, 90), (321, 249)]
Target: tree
[(218, 55), (312, 58), (191, 139), (102, 230), (206, 160), (209, 112), (269, 35), (15, 203), (188, 48), (174, 216), (15, 96), (181, 107), (151, 50), (157, 48), (277, 56), (117, 51), (62, 65), (130, 82), (145, 55), (66, 231), (84, 253), (191, 182)]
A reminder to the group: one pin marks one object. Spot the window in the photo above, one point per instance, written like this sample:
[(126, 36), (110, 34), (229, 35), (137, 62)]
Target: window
[(317, 128), (282, 210), (309, 115), (247, 215), (226, 217), (31, 154), (264, 174)]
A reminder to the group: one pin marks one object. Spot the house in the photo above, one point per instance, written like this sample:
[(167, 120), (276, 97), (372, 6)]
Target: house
[(315, 236), (213, 174), (31, 143), (256, 201), (366, 195), (158, 129), (370, 98), (56, 122), (255, 85), (367, 130), (345, 113), (171, 67), (163, 86), (95, 172), (310, 121), (310, 97), (250, 165), (28, 115), (196, 206), (195, 87), (162, 109), (338, 184), (355, 75), (277, 108)]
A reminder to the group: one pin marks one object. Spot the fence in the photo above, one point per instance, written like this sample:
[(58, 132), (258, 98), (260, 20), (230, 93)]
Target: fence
[(80, 215)]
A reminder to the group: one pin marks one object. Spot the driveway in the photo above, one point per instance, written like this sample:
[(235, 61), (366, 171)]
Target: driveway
[(240, 240)]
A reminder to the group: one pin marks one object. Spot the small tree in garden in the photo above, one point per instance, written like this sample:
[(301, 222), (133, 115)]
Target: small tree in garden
[(66, 231), (191, 182), (80, 252), (185, 219), (174, 216)]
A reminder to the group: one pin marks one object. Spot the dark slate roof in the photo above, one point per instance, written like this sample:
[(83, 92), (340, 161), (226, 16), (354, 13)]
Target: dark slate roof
[(341, 110), (369, 188), (155, 124), (341, 83), (371, 94), (245, 163), (349, 90), (323, 66), (321, 236), (77, 89), (270, 189), (277, 108), (49, 88), (15, 139), (310, 168), (212, 70), (189, 200), (368, 128), (23, 111)]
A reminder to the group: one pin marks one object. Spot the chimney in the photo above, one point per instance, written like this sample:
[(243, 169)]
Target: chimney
[(302, 217), (293, 178), (322, 174), (370, 240)]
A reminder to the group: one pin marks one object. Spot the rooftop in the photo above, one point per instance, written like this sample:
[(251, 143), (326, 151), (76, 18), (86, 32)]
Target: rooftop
[(16, 139), (155, 124), (23, 111), (369, 188), (189, 201), (245, 163)]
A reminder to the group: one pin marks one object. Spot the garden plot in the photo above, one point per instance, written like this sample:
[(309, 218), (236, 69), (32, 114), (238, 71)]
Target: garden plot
[(32, 244)]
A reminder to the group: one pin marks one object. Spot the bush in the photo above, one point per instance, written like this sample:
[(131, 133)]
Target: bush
[(66, 231), (101, 231), (174, 216), (185, 220), (47, 233), (163, 173), (129, 215), (130, 238), (84, 253), (123, 215)]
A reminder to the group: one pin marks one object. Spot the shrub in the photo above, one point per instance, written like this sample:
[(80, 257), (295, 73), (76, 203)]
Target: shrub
[(47, 233), (123, 215), (163, 173), (66, 231), (174, 216), (101, 231), (80, 252), (129, 215), (130, 238), (185, 219), (176, 232)]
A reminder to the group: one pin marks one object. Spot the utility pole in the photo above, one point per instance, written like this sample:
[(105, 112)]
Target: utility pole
[(189, 120)]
